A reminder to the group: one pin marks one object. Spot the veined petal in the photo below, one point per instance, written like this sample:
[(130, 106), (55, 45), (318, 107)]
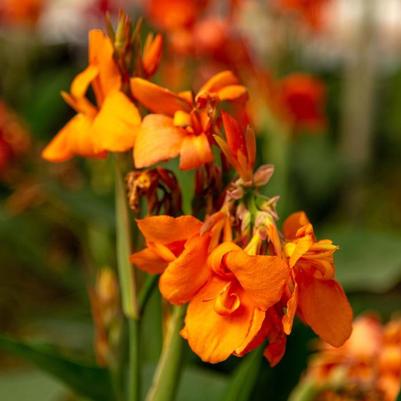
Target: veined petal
[(157, 99), (157, 140), (148, 261), (167, 229), (325, 308), (195, 151), (184, 277), (212, 336), (262, 277), (116, 124), (74, 139), (254, 329)]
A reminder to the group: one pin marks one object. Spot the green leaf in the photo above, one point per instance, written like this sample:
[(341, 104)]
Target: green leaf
[(244, 378), (87, 380), (366, 260)]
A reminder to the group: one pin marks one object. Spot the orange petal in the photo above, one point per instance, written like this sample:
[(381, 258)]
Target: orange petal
[(148, 261), (101, 55), (233, 92), (184, 277), (295, 250), (275, 350), (82, 81), (157, 140), (218, 82), (214, 337), (75, 139), (292, 306), (254, 329), (293, 223), (195, 151), (325, 308), (166, 229), (116, 123), (262, 277), (157, 99), (216, 257)]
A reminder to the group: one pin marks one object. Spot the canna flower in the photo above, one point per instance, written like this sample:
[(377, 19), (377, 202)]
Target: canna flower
[(108, 126), (182, 125), (227, 313), (301, 99), (311, 12), (176, 250), (175, 14), (314, 293), (24, 12), (366, 367)]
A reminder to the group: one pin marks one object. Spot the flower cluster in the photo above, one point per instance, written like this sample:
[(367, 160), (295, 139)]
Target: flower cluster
[(367, 367), (243, 280)]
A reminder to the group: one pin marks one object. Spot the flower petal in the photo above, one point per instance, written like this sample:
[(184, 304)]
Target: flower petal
[(262, 277), (166, 229), (101, 55), (195, 151), (157, 140), (218, 82), (148, 261), (293, 223), (292, 306), (184, 277), (325, 308), (116, 124), (158, 99), (214, 337), (74, 139), (82, 81)]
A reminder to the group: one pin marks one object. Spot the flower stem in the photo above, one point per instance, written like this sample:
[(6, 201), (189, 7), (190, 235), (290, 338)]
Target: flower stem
[(127, 281), (168, 371), (123, 234)]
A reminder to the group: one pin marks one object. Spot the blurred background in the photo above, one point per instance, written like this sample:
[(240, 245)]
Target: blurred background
[(325, 98)]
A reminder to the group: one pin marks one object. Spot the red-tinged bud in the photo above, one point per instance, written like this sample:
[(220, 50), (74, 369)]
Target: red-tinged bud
[(152, 52)]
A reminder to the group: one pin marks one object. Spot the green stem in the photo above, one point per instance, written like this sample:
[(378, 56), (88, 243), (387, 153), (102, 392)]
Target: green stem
[(125, 270), (146, 292), (244, 379), (134, 371), (127, 281), (168, 371)]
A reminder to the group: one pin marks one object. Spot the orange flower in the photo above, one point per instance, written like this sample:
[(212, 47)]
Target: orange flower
[(228, 312), (368, 364), (302, 98), (175, 14), (315, 295), (182, 126), (21, 11), (175, 249), (310, 11), (109, 126)]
